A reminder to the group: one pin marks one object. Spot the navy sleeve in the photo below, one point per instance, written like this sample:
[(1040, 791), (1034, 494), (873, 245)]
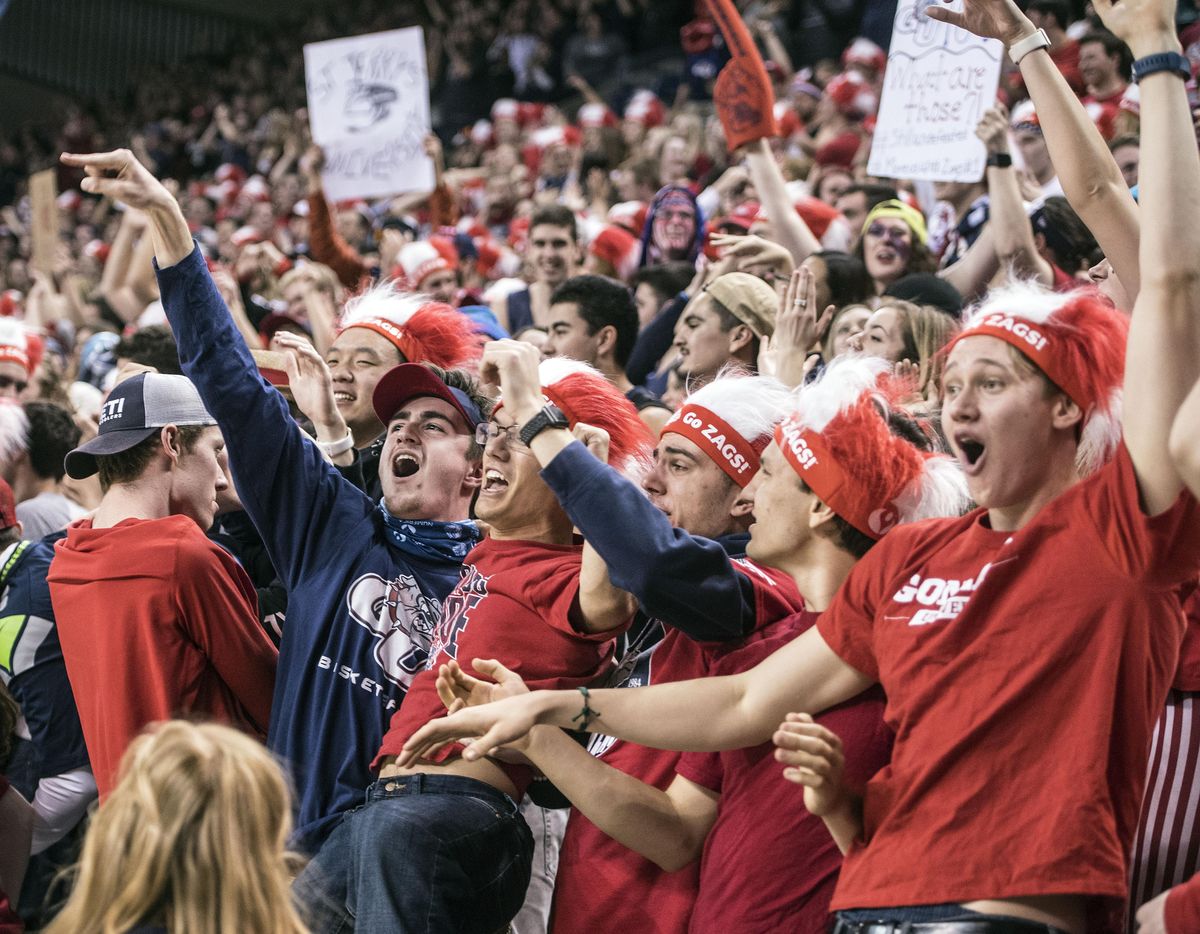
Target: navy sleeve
[(39, 683), (295, 498), (654, 341), (686, 581)]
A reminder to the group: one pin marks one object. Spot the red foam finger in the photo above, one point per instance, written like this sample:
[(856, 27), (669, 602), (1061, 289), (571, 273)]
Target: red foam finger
[(742, 93)]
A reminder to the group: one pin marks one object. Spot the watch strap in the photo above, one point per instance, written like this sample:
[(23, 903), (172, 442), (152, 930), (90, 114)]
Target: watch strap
[(341, 446), (1162, 61), (999, 160), (549, 416), (1031, 43)]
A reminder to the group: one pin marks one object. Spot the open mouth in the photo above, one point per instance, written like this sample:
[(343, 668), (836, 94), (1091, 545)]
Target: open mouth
[(405, 465), (341, 397), (494, 481), (971, 454)]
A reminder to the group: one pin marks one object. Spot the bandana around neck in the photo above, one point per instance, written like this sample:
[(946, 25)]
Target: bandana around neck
[(431, 541)]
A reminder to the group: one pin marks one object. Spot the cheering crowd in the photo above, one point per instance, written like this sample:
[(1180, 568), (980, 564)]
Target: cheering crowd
[(662, 525)]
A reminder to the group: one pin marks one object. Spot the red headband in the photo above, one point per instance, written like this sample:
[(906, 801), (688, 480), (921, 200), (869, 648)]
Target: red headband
[(1033, 341), (810, 457), (11, 354), (724, 446), (399, 337)]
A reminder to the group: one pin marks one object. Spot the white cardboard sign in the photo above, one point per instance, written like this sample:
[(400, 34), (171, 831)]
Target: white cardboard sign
[(940, 79), (368, 106)]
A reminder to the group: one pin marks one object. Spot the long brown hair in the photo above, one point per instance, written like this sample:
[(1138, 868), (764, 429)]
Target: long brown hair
[(192, 839)]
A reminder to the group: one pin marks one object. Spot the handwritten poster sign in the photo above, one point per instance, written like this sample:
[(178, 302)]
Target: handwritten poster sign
[(368, 106), (939, 81), (44, 226)]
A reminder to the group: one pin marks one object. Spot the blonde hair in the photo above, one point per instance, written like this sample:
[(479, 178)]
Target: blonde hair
[(192, 838), (321, 276), (926, 331)]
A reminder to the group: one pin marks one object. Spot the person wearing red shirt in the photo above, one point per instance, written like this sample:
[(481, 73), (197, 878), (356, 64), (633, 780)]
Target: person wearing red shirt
[(709, 808), (678, 545), (155, 620), (1176, 910), (1027, 648), (439, 843), (1104, 63)]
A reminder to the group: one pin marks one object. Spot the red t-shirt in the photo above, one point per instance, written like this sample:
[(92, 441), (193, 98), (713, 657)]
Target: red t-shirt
[(517, 602), (1024, 673), (601, 878), (156, 622), (1104, 110), (1187, 673), (1181, 915), (769, 865)]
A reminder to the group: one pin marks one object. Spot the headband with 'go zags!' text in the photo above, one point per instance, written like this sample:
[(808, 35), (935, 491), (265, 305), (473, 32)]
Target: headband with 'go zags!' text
[(726, 448)]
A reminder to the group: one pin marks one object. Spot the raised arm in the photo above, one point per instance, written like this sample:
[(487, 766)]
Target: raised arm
[(1011, 231), (1185, 440), (326, 244), (1090, 177), (1162, 362), (701, 715), (788, 226), (286, 487), (513, 365)]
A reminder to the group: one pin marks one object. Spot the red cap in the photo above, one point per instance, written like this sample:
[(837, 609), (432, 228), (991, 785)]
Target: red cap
[(817, 215), (852, 95), (412, 380), (617, 247), (864, 52), (595, 114)]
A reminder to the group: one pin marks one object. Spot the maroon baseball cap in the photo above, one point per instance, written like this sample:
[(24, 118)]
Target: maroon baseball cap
[(413, 380), (8, 506)]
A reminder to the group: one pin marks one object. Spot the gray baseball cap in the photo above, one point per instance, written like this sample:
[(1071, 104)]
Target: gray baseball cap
[(136, 409)]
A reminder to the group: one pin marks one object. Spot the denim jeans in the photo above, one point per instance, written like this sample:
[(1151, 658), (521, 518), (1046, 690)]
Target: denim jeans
[(548, 826), (917, 914), (425, 854)]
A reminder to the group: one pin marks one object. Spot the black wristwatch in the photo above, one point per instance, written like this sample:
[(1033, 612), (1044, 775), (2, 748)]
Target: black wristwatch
[(1162, 61), (999, 160), (549, 416)]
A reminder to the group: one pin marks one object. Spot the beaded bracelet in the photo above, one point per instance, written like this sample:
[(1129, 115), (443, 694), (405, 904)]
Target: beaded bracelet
[(587, 715)]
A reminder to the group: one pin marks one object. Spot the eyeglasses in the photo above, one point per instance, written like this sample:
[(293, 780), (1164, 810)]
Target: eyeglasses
[(7, 382), (486, 431), (891, 234)]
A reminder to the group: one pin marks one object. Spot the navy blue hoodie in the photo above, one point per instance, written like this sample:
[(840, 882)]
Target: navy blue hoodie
[(360, 611)]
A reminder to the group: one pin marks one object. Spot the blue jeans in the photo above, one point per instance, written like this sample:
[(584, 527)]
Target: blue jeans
[(425, 854), (917, 914)]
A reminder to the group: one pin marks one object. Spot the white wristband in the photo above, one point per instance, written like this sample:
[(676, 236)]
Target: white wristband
[(334, 448), (1031, 43)]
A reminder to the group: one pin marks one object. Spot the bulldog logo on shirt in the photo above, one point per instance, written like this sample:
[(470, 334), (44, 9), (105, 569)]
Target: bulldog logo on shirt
[(456, 612), (402, 620)]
